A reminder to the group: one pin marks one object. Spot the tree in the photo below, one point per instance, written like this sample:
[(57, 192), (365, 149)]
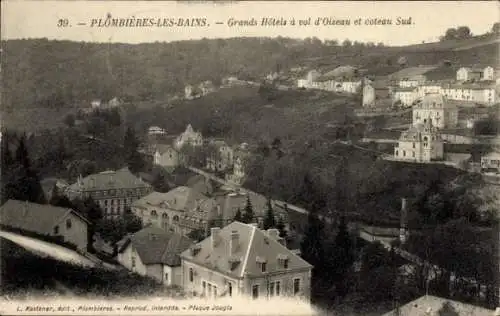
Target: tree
[(450, 34), (312, 247), (133, 158), (280, 225), (495, 29), (248, 215), (447, 310), (69, 120), (238, 217), (160, 182), (347, 43), (59, 199), (133, 223), (22, 153), (463, 32), (377, 273), (269, 220), (197, 234)]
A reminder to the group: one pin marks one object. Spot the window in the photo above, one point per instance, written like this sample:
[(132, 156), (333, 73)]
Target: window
[(133, 262), (176, 218), (230, 289), (191, 275), (413, 154), (255, 291), (263, 266), (296, 286), (413, 145), (166, 277), (68, 223), (56, 230), (285, 264), (404, 153), (271, 289), (154, 214), (396, 152), (203, 288), (277, 288)]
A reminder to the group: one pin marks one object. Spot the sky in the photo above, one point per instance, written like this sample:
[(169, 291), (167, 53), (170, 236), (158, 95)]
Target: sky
[(429, 20)]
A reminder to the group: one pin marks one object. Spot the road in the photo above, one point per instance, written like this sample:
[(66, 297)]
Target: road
[(46, 249)]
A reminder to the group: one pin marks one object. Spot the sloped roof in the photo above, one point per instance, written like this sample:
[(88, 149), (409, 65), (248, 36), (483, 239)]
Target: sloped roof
[(433, 304), (231, 201), (120, 179), (157, 246), (253, 245), (415, 131), (433, 101), (40, 218), (162, 148), (181, 198), (201, 184)]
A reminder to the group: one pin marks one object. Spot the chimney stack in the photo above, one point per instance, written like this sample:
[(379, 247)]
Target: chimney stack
[(214, 236), (234, 242), (403, 229)]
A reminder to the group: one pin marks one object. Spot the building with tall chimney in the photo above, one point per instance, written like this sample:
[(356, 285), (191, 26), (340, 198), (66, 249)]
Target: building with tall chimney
[(242, 260), (403, 227)]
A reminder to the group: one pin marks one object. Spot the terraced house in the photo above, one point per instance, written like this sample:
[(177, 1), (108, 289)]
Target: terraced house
[(114, 191), (242, 260)]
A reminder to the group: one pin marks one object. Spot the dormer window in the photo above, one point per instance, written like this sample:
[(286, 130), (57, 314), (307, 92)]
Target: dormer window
[(283, 261), (262, 263)]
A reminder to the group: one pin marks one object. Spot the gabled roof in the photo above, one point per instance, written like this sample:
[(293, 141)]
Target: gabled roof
[(41, 218), (430, 305), (433, 101), (157, 246), (181, 198), (162, 148), (120, 179), (253, 245)]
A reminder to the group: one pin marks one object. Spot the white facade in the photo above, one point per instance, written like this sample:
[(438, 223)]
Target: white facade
[(421, 143), (429, 89), (484, 95), (488, 73), (491, 161), (155, 130), (405, 96), (189, 137), (368, 96), (351, 86), (465, 74), (435, 109), (409, 83)]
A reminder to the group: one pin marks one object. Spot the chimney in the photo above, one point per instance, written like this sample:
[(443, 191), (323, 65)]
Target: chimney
[(273, 233), (214, 236), (234, 242), (403, 229)]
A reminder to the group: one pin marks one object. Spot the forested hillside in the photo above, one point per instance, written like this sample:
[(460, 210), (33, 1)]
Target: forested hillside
[(47, 73)]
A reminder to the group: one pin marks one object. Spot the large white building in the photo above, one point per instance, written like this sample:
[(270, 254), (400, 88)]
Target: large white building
[(435, 109), (404, 96), (189, 137), (420, 143), (479, 93)]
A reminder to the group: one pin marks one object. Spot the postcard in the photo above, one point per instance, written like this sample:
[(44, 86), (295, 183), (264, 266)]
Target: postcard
[(250, 158)]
